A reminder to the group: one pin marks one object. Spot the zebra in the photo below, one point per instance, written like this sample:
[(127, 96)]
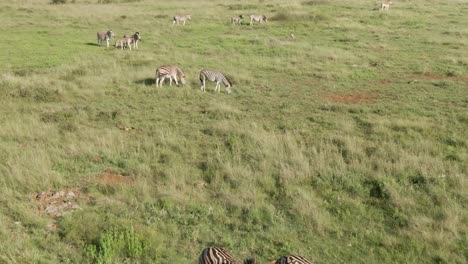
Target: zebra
[(178, 19), (105, 36), (135, 39), (217, 255), (292, 260), (214, 76), (237, 19), (259, 19), (385, 5), (171, 72), (128, 40)]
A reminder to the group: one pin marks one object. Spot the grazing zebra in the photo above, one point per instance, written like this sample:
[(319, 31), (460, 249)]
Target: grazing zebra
[(259, 19), (214, 76), (292, 260), (178, 19), (216, 255), (101, 36), (171, 72), (385, 5), (237, 19)]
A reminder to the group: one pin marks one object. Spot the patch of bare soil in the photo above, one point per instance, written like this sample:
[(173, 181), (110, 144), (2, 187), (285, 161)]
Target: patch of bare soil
[(430, 76), (382, 82), (109, 177), (354, 98), (56, 203)]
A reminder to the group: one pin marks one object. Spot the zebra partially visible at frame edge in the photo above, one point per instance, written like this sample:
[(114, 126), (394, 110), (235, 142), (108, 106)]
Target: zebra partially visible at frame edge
[(217, 255)]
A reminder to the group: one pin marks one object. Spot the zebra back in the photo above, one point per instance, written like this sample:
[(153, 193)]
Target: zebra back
[(217, 255), (292, 260)]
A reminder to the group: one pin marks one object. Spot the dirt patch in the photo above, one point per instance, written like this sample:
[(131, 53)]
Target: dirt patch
[(354, 98), (57, 203), (382, 82), (430, 76), (109, 177)]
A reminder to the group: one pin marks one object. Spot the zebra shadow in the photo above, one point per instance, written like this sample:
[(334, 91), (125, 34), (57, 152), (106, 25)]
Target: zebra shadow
[(91, 44), (146, 81)]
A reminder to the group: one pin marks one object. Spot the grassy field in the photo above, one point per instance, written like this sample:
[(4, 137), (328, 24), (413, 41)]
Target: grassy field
[(348, 144)]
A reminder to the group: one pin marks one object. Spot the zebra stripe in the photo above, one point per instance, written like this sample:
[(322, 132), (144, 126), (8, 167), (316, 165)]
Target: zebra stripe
[(292, 260), (178, 19), (214, 76), (171, 72), (259, 19), (217, 255)]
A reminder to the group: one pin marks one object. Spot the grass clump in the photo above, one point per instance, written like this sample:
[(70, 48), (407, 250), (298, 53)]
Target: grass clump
[(116, 244)]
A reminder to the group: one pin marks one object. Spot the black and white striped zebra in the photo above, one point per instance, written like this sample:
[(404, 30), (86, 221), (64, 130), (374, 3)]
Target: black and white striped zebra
[(104, 36), (259, 19), (292, 260), (214, 76), (237, 19), (217, 255), (178, 19), (171, 72), (128, 40)]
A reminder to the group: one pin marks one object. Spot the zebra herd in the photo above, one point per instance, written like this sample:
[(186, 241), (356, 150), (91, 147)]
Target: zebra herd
[(173, 72), (217, 255)]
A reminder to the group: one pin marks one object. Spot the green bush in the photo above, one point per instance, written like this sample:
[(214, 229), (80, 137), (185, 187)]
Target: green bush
[(114, 244)]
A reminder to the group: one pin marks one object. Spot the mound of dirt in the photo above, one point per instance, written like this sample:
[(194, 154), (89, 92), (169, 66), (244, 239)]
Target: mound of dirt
[(56, 203), (109, 177)]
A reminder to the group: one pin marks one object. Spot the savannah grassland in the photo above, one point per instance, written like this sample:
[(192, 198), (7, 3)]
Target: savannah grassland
[(346, 145)]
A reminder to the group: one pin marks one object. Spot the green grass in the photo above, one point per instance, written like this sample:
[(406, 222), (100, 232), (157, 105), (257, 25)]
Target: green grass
[(347, 144)]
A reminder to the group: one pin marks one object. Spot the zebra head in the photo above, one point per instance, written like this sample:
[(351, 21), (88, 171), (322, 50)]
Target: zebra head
[(241, 16), (137, 36), (189, 17), (182, 79), (110, 34), (265, 19)]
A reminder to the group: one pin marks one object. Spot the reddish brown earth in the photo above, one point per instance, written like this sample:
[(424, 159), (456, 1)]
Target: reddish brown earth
[(381, 82), (109, 177), (354, 98)]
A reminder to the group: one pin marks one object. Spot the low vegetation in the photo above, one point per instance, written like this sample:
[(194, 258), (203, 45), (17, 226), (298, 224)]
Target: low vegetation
[(346, 143)]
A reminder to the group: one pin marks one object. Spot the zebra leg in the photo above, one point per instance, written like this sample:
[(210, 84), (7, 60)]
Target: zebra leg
[(162, 81), (170, 81), (157, 81), (175, 79), (107, 43), (203, 84)]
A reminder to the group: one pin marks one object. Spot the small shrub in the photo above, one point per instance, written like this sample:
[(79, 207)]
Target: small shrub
[(315, 2), (115, 244), (56, 2)]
